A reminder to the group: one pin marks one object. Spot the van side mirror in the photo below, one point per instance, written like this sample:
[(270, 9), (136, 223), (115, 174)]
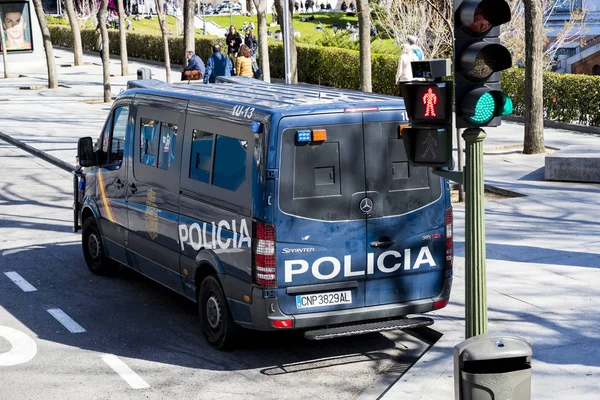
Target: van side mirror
[(85, 152)]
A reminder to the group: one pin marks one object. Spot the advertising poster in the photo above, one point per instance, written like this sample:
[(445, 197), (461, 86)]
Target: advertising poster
[(16, 26)]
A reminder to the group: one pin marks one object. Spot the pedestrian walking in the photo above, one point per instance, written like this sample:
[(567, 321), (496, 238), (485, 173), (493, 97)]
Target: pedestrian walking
[(412, 41), (404, 72), (243, 63), (251, 41), (217, 65), (234, 40)]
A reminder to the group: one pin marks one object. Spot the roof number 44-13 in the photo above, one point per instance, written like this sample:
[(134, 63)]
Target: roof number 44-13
[(241, 111)]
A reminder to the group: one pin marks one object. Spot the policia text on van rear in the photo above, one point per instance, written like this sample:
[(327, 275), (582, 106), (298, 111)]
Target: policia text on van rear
[(272, 206)]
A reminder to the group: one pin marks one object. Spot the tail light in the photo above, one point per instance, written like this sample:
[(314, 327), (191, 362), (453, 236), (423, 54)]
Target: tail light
[(264, 272), (449, 241)]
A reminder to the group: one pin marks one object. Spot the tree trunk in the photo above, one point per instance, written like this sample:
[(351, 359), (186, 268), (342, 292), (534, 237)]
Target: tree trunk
[(534, 65), (123, 38), (188, 27), (165, 38), (263, 45), (105, 44), (4, 54), (293, 53), (77, 47), (364, 30), (39, 11)]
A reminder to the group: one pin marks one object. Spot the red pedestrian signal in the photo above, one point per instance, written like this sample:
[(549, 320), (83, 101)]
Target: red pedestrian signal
[(430, 99)]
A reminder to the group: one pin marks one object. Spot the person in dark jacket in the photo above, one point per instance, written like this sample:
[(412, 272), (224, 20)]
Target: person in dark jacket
[(194, 69), (251, 41), (217, 65), (234, 40)]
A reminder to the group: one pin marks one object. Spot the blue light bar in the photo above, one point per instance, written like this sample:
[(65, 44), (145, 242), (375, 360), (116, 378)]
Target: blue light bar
[(256, 127), (303, 136)]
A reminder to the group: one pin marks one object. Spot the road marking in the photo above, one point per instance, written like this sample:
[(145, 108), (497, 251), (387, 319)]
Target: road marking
[(20, 281), (66, 321), (133, 379), (23, 347)]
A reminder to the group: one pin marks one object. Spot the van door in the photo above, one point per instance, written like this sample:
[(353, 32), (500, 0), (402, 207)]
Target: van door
[(319, 227), (153, 194), (111, 178), (405, 229)]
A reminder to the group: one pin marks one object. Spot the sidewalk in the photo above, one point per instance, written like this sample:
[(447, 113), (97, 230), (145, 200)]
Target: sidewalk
[(543, 249)]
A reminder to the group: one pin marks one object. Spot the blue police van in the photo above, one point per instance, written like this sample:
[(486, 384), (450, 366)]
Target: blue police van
[(272, 206)]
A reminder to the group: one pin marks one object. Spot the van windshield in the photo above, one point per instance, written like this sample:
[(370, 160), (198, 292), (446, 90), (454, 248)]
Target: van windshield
[(327, 180)]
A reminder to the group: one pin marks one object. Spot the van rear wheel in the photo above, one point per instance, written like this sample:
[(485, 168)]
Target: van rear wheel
[(93, 249), (217, 324)]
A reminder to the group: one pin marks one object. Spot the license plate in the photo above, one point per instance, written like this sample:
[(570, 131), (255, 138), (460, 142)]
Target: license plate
[(324, 299)]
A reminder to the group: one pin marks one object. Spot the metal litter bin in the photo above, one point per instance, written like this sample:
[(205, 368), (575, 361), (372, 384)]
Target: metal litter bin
[(492, 367), (144, 73)]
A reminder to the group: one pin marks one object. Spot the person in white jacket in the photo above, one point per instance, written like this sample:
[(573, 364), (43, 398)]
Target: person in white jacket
[(404, 72)]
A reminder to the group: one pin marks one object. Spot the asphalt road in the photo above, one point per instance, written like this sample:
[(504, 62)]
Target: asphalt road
[(68, 334)]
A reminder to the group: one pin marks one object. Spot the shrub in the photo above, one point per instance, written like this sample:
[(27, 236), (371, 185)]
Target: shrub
[(567, 97)]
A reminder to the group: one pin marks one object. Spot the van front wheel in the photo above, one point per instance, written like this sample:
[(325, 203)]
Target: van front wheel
[(93, 249), (217, 324)]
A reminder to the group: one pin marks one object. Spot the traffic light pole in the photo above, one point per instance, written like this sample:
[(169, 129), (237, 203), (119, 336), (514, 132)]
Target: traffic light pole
[(475, 274)]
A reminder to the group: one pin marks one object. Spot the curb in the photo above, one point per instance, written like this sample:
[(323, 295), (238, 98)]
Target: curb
[(558, 125), (38, 153)]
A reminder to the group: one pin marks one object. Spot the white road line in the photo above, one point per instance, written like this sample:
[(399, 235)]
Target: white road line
[(133, 379), (66, 321), (20, 281), (23, 348)]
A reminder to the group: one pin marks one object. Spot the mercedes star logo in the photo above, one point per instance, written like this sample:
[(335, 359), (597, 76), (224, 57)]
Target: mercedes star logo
[(366, 205)]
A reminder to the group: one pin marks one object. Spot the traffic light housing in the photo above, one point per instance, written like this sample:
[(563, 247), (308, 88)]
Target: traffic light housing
[(428, 139), (478, 59)]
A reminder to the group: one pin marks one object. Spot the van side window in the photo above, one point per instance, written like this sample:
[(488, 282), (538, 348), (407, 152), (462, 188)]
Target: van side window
[(149, 138), (230, 163), (166, 149), (119, 130), (202, 156)]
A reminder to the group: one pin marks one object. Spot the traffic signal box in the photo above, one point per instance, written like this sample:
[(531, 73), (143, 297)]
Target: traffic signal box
[(428, 140), (478, 59)]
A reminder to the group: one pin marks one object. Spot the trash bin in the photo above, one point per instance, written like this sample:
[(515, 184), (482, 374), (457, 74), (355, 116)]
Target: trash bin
[(492, 367), (144, 73)]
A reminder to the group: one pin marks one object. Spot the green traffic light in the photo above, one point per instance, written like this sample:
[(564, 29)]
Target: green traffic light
[(484, 109)]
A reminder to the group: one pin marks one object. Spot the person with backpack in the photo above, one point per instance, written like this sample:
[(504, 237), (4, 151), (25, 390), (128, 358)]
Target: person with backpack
[(217, 65), (412, 41)]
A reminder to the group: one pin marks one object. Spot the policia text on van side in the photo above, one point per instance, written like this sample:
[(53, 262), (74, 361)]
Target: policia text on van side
[(272, 206)]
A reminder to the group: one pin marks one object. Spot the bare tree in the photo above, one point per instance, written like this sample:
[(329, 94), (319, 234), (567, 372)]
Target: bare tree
[(534, 67), (41, 16), (430, 21), (77, 47), (284, 31), (188, 26), (513, 33), (123, 39), (4, 55), (165, 37), (104, 47), (364, 31), (263, 45)]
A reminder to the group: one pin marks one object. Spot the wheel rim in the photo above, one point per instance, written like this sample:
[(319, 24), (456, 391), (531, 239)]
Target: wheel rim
[(94, 246), (213, 311)]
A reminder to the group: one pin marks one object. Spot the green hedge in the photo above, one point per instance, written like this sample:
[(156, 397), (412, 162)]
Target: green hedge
[(318, 65), (567, 97)]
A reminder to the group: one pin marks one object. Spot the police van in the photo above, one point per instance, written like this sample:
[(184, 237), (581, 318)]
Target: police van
[(272, 206)]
